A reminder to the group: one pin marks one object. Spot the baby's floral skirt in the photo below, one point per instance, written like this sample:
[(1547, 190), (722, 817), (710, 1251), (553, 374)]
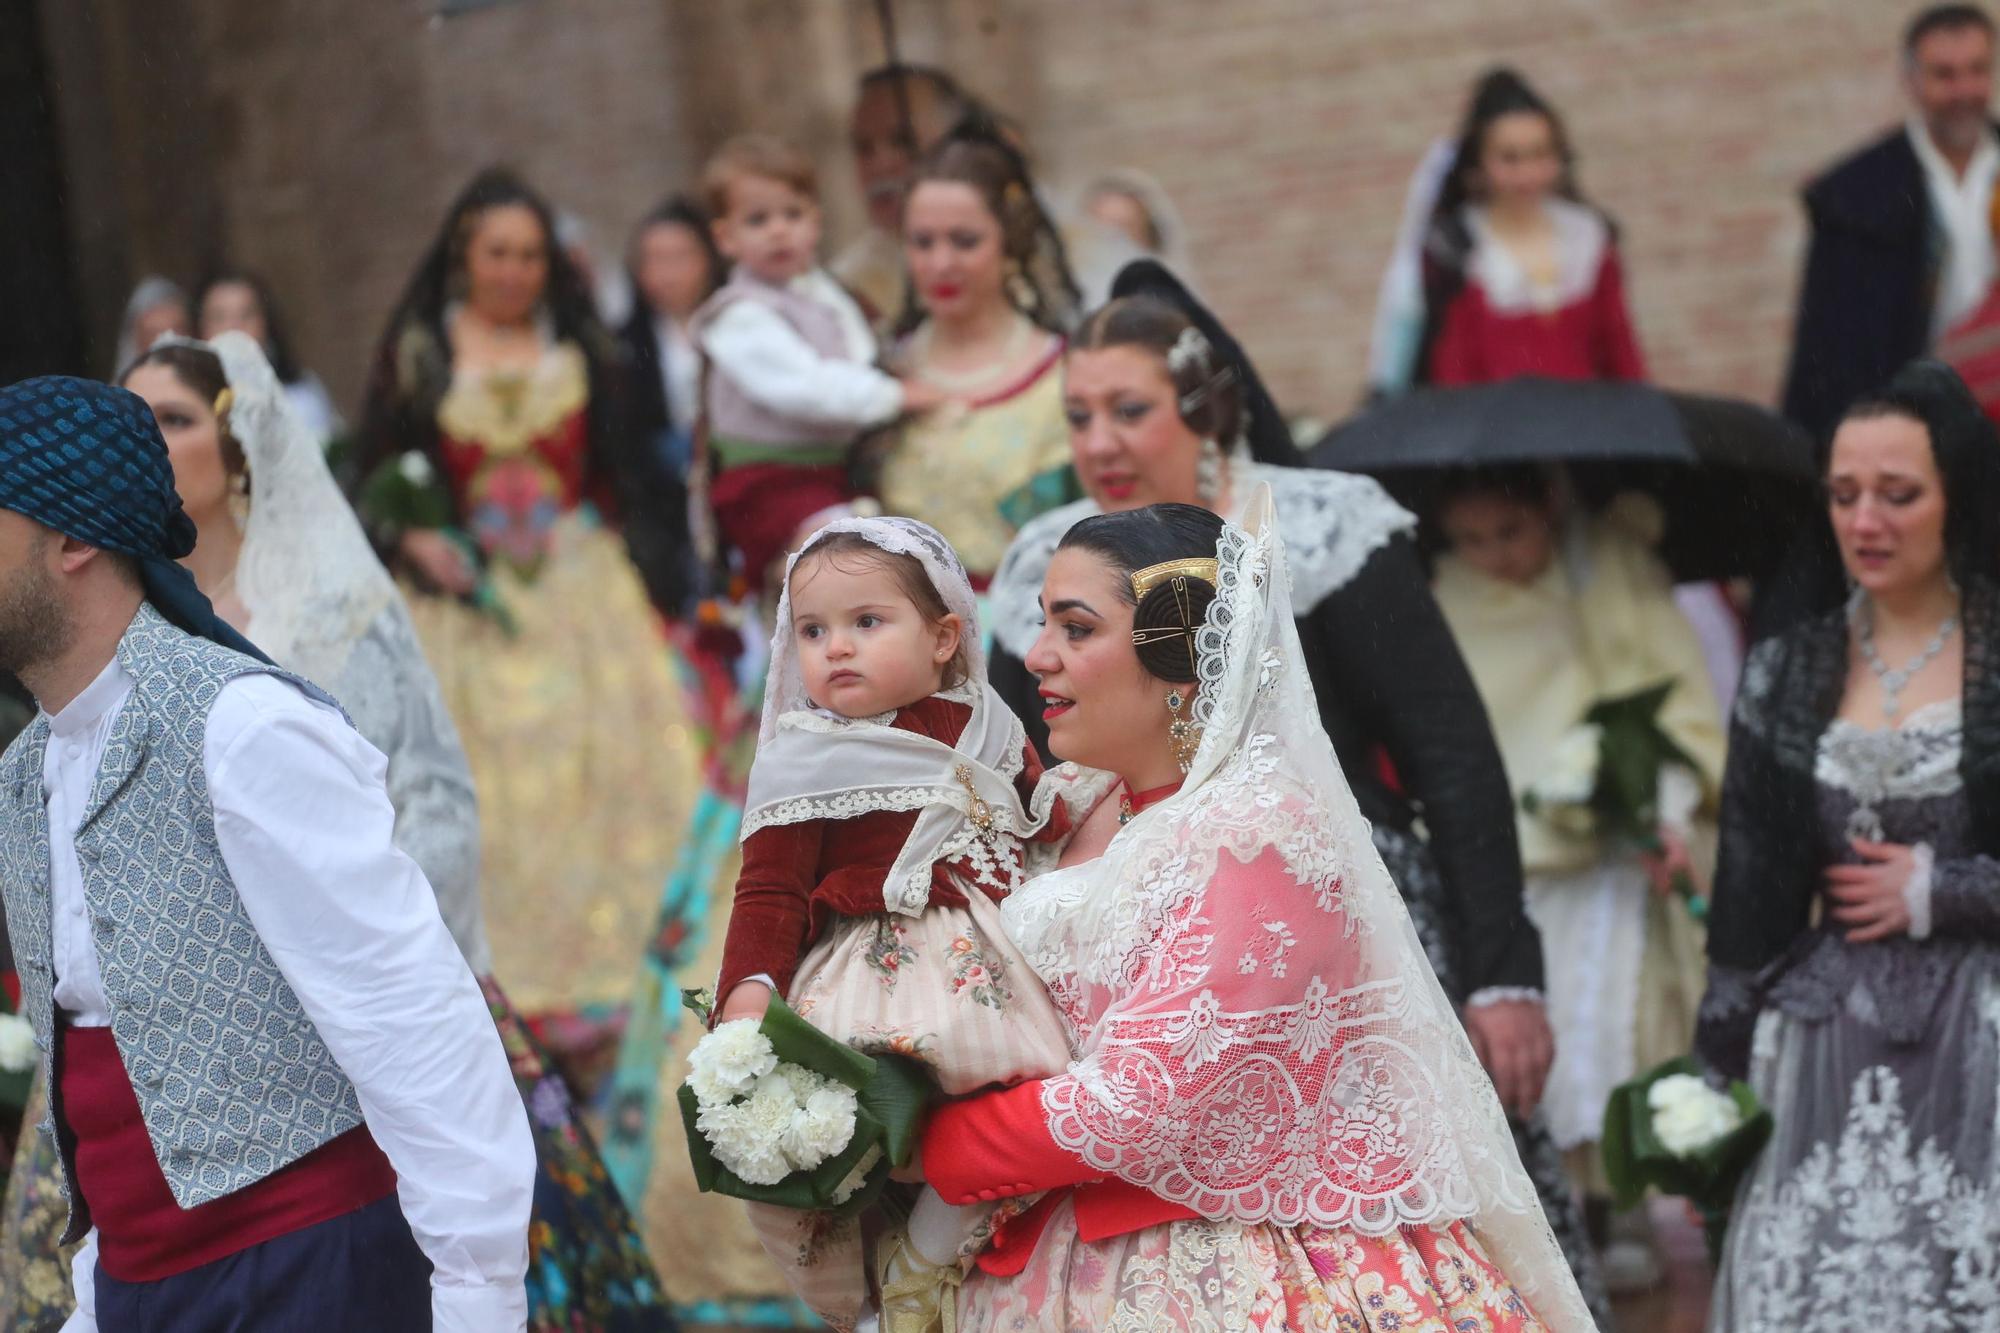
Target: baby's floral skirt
[(945, 988), (1190, 1277)]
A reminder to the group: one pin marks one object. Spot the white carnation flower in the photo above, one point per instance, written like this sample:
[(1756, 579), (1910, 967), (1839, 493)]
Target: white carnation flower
[(416, 468), (748, 1136), (17, 1043), (1570, 777), (822, 1127), (728, 1062), (1688, 1115), (858, 1176)]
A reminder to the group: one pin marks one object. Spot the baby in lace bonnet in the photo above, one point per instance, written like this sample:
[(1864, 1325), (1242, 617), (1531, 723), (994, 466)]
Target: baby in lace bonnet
[(887, 809)]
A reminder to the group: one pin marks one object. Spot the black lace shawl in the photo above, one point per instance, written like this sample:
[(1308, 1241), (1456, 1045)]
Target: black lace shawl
[(1772, 855)]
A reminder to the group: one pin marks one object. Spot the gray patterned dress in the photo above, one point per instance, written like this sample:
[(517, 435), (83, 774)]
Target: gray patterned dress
[(1877, 1203)]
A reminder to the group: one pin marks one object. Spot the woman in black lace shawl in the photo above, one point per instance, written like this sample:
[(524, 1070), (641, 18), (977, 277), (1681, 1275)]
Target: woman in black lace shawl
[(1854, 943)]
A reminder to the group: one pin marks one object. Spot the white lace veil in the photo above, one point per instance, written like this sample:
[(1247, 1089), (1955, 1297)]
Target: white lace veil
[(812, 764), (321, 605), (1259, 1035), (306, 573)]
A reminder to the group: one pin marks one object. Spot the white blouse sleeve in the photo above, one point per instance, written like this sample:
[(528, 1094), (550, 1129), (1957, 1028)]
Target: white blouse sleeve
[(779, 371), (305, 826)]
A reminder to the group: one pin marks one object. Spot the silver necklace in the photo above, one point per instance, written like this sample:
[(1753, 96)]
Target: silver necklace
[(1862, 613)]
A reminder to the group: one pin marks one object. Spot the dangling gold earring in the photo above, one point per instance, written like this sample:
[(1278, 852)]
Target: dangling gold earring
[(1019, 290), (1183, 735)]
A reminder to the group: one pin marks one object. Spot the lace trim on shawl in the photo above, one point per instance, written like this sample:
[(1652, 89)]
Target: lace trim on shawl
[(1332, 523), (508, 410), (1353, 1100), (1919, 760), (307, 575)]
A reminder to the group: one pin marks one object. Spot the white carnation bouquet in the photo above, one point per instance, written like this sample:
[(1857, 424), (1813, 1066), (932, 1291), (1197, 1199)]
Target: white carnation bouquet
[(1618, 776), (778, 1112), (1670, 1129)]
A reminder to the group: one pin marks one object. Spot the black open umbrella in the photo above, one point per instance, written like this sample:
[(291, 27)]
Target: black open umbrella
[(1735, 480)]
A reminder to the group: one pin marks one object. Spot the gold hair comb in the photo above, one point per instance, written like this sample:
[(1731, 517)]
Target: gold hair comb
[(223, 400), (1205, 568)]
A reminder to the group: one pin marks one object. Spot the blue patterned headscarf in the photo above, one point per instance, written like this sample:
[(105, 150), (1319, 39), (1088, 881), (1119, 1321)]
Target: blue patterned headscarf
[(87, 460)]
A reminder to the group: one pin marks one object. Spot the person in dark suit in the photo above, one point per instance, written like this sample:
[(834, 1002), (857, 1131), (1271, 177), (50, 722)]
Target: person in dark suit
[(1902, 233)]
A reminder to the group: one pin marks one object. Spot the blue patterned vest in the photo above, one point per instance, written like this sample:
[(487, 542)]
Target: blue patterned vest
[(231, 1076)]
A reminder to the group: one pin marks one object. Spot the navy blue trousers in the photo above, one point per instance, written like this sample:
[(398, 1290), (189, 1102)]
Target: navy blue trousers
[(360, 1271)]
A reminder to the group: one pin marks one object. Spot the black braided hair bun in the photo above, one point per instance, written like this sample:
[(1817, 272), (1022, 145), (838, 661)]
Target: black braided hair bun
[(1136, 539), (1170, 657)]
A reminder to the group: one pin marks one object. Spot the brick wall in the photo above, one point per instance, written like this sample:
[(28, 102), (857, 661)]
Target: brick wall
[(1285, 130)]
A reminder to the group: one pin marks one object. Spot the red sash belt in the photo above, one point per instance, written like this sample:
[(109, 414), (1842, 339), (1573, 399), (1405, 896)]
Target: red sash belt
[(142, 1234)]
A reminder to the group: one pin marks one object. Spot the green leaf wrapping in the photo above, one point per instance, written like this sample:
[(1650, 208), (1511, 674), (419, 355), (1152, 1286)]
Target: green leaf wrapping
[(890, 1094), (1632, 751), (390, 499), (1635, 1160)]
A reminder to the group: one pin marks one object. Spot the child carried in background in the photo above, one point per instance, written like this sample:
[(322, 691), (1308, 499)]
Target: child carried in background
[(887, 808), (791, 379)]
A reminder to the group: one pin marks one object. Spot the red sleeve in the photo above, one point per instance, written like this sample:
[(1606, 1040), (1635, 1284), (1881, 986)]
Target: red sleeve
[(1618, 355), (1455, 357), (1058, 826), (767, 922), (996, 1145)]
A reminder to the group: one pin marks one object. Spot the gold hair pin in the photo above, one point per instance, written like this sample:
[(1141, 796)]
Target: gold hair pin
[(1205, 568), (223, 400)]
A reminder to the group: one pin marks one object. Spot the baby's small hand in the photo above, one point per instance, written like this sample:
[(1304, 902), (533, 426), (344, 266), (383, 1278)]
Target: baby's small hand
[(919, 397), (748, 999)]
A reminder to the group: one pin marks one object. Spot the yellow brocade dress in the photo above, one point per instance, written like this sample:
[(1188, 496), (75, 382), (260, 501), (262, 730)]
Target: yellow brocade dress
[(562, 685), (957, 467)]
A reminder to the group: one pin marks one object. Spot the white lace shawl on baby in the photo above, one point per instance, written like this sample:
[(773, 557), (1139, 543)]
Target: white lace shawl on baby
[(813, 764)]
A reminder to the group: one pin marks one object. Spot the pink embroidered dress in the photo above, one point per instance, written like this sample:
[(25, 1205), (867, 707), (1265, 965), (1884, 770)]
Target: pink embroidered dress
[(1271, 1118)]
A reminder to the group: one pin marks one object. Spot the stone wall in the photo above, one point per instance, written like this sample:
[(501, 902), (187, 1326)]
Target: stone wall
[(320, 143)]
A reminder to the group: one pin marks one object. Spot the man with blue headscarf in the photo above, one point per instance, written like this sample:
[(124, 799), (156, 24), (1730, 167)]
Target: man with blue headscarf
[(278, 1097)]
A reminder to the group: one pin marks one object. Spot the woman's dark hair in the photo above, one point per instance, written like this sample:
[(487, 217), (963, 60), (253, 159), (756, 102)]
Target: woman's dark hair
[(200, 371), (979, 153), (440, 277), (1207, 390), (277, 345), (1967, 454), (1136, 539), (678, 210), (1501, 92)]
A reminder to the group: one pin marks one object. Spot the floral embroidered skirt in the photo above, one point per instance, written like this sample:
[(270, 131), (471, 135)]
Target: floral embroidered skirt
[(587, 1269), (583, 752), (945, 988), (1184, 1277), (1876, 1204), (35, 1291)]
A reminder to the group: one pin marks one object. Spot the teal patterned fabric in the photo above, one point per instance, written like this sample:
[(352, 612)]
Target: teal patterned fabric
[(87, 460), (232, 1078)]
